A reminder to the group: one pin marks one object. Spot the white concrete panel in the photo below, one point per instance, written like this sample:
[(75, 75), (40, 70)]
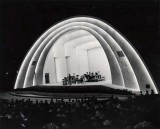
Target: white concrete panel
[(50, 68), (80, 40), (72, 64), (71, 60), (59, 50), (89, 45), (98, 61), (61, 70), (69, 50), (82, 61), (74, 34)]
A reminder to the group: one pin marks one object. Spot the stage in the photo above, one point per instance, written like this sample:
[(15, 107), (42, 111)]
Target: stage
[(79, 90), (101, 90), (80, 84), (100, 83), (86, 87)]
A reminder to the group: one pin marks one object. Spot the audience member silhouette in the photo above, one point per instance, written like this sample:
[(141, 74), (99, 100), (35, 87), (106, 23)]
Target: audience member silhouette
[(141, 112)]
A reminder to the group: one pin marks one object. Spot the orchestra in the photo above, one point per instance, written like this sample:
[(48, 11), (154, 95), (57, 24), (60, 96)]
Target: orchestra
[(81, 79)]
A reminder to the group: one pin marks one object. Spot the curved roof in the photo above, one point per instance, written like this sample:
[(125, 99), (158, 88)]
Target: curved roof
[(128, 70)]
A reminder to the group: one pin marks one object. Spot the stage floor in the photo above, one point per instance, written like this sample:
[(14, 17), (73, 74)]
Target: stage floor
[(36, 95), (103, 83), (58, 86)]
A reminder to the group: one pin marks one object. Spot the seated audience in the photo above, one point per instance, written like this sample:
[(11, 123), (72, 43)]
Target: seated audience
[(87, 113)]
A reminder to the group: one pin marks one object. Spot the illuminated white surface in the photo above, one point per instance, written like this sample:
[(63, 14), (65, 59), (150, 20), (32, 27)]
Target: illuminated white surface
[(135, 65), (115, 69)]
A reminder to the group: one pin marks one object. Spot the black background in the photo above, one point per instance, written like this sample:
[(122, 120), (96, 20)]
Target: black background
[(22, 22)]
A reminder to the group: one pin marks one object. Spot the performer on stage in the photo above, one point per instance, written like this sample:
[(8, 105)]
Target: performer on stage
[(74, 78), (69, 79)]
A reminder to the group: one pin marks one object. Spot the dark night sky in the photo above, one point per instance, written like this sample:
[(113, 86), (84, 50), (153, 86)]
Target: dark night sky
[(21, 23)]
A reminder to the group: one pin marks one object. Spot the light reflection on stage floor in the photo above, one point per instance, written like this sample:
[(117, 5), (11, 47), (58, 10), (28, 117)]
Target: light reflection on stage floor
[(103, 83)]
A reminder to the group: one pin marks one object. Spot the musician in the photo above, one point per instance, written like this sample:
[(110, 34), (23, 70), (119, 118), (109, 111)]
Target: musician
[(74, 78), (87, 76), (99, 75), (82, 79), (77, 79), (69, 79)]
